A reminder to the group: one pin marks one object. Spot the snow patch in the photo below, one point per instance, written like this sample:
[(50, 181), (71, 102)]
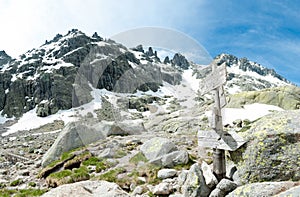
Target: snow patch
[(250, 112), (3, 119)]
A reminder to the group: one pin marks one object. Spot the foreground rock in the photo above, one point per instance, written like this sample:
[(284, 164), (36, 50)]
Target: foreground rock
[(87, 189), (262, 189), (294, 191), (195, 185), (78, 134), (272, 151)]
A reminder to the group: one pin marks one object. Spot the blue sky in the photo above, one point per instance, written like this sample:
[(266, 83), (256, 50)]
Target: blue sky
[(264, 31)]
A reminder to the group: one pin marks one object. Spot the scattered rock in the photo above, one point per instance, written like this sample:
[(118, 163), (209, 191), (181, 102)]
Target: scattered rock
[(224, 187), (166, 173), (194, 184), (182, 177), (175, 158), (210, 179), (162, 189), (88, 188)]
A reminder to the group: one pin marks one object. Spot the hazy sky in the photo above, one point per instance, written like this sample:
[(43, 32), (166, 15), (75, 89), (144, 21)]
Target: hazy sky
[(265, 31)]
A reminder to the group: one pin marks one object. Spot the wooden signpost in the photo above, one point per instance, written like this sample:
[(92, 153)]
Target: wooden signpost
[(217, 138)]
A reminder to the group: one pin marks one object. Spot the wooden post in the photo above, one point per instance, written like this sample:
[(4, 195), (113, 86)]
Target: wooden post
[(219, 166)]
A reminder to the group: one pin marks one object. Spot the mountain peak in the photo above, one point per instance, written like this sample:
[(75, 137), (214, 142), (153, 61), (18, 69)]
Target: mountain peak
[(180, 61), (246, 65), (4, 58)]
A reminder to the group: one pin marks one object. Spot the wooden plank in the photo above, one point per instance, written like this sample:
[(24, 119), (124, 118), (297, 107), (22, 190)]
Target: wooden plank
[(215, 79), (222, 96), (224, 140)]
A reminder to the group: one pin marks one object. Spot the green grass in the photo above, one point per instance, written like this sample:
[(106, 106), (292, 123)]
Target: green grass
[(111, 175), (21, 193), (61, 174), (138, 158), (16, 182), (101, 164)]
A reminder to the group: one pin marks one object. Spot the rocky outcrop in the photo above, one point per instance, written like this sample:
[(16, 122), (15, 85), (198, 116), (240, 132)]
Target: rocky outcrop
[(261, 189), (271, 153), (88, 188), (286, 97), (180, 61), (4, 58), (245, 65)]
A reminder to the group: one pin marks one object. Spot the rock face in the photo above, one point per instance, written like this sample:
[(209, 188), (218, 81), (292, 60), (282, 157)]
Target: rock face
[(89, 189), (4, 58), (287, 97), (261, 189), (272, 150), (77, 134)]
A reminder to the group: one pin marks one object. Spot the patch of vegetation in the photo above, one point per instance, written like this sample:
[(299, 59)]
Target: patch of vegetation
[(111, 175), (32, 184), (245, 128), (150, 172), (2, 185), (101, 164), (139, 157), (80, 174), (16, 182), (77, 160), (21, 193), (59, 178), (68, 176)]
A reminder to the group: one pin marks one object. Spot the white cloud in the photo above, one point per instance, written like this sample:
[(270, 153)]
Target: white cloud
[(27, 24)]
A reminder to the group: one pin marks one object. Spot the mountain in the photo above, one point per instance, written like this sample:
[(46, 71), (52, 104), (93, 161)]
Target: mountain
[(61, 73), (98, 112)]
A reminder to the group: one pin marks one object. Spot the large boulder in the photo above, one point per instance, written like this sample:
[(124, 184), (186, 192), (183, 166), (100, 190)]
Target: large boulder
[(292, 192), (74, 135), (88, 189), (78, 134), (272, 150), (261, 189), (157, 147)]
